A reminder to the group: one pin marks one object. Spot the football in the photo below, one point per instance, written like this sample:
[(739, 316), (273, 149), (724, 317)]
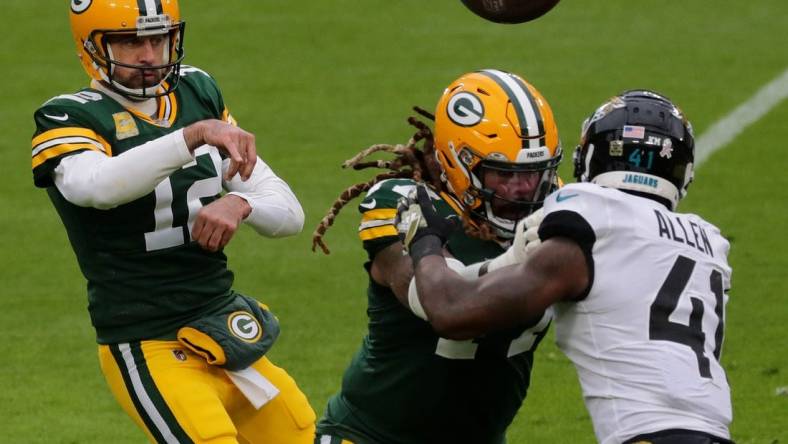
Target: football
[(510, 11)]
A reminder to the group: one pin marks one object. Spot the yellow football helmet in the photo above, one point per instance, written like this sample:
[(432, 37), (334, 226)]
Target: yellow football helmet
[(495, 120), (92, 21)]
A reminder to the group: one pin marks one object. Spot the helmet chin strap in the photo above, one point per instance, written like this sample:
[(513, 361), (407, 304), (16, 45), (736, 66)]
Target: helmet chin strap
[(504, 228), (136, 94)]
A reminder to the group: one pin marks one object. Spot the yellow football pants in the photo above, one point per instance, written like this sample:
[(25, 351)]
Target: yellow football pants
[(176, 397)]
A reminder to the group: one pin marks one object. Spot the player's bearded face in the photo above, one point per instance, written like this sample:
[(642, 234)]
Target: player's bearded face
[(514, 190), (143, 52)]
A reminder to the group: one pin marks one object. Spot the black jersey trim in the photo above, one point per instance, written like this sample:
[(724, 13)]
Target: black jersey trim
[(569, 224)]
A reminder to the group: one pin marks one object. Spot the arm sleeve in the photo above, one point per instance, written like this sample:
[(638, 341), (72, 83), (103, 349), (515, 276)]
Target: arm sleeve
[(276, 211), (92, 179)]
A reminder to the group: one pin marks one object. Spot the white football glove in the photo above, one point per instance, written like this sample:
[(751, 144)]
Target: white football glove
[(526, 239), (408, 221)]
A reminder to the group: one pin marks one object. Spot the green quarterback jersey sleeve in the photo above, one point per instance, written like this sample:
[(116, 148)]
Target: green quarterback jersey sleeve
[(65, 126), (145, 276)]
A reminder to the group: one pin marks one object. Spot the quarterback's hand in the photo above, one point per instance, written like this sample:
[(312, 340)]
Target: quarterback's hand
[(217, 222), (238, 144), (417, 220), (526, 239)]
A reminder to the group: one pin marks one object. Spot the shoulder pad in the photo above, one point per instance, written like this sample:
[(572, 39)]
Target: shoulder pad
[(193, 71), (81, 97), (386, 194), (204, 88), (379, 210)]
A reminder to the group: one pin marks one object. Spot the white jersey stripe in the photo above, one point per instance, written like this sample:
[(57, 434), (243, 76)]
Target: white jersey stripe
[(375, 223), (531, 122), (142, 395), (63, 140)]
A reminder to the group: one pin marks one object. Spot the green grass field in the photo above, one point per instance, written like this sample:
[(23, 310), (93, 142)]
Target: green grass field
[(318, 80)]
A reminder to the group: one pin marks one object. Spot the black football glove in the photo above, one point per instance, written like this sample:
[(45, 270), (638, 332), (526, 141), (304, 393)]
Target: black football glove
[(422, 230)]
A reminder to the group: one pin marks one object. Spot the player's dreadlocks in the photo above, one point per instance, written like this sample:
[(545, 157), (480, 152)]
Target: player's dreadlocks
[(410, 161)]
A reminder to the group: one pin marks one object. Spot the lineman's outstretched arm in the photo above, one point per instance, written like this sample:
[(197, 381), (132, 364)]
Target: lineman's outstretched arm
[(459, 308)]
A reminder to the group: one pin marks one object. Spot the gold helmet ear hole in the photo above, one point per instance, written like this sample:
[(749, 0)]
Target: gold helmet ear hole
[(466, 156), (468, 199)]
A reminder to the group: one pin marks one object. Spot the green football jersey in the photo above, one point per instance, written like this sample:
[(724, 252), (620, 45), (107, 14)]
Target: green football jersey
[(407, 385), (145, 275)]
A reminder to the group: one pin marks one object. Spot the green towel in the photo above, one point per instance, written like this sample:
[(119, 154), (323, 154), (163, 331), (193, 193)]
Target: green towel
[(235, 337)]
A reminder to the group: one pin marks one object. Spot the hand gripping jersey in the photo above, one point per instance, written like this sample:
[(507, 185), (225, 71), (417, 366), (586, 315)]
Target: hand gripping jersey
[(406, 385), (647, 337), (145, 275)]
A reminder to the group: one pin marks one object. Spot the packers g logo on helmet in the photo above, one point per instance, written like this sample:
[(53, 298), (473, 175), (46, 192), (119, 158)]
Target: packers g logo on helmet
[(79, 6), (465, 109), (492, 119)]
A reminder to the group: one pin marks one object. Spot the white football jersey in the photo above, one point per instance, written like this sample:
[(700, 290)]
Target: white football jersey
[(647, 337)]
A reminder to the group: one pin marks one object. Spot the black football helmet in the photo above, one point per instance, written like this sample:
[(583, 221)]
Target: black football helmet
[(638, 141)]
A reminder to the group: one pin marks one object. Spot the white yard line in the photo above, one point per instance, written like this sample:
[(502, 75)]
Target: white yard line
[(723, 131)]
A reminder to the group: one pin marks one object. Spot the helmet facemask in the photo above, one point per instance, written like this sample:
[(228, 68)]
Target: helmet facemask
[(527, 185), (99, 46)]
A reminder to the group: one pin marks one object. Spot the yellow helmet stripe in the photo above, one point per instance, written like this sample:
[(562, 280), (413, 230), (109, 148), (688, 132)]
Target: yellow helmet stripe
[(531, 126)]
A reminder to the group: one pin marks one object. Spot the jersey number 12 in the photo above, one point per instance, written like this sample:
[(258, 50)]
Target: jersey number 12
[(176, 210)]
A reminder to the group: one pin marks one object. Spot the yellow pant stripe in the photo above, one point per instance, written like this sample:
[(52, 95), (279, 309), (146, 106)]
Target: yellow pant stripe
[(198, 402), (151, 406)]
